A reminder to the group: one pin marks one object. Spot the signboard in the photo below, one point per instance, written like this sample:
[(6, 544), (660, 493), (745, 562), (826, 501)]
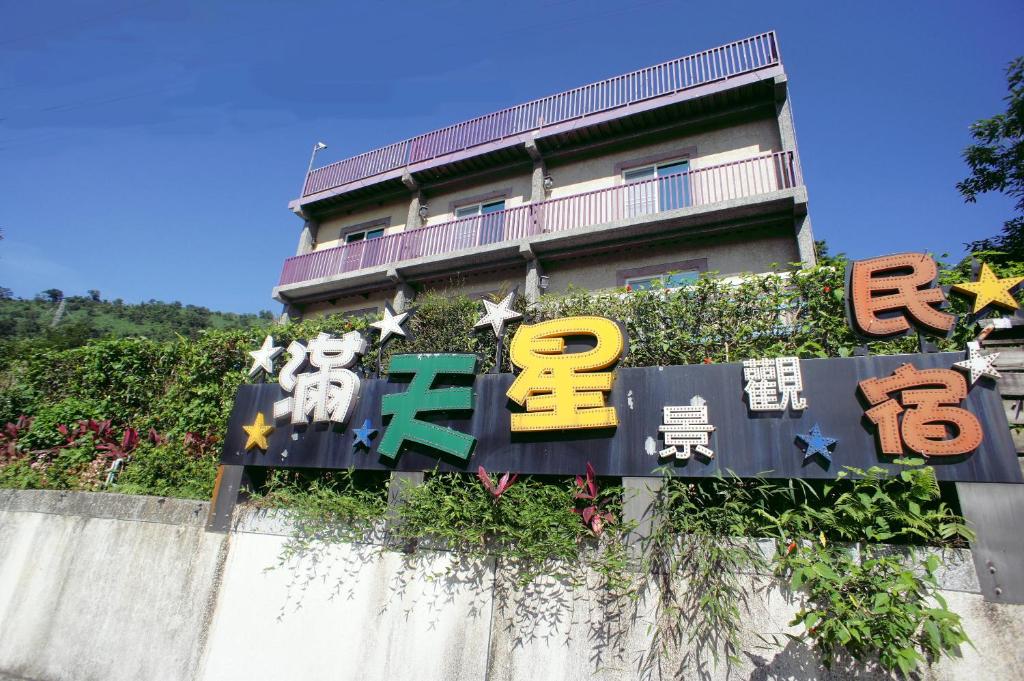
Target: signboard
[(823, 424)]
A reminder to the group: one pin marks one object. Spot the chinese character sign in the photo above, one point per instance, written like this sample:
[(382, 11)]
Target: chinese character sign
[(886, 295), (933, 397), (564, 390), (405, 408), (773, 383), (686, 429), (328, 394)]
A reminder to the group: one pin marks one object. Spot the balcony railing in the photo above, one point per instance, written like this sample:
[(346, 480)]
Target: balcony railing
[(742, 56), (749, 177)]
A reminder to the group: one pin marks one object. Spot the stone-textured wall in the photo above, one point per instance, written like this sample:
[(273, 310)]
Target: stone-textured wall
[(96, 586)]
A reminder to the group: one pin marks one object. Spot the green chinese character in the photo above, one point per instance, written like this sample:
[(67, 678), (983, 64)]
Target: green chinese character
[(421, 397)]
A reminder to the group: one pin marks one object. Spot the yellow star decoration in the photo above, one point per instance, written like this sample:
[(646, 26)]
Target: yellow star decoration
[(258, 432), (990, 289)]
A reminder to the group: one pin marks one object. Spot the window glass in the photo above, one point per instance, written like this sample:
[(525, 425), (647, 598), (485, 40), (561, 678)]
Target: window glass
[(657, 170), (673, 280), (672, 168), (637, 174), (374, 233), (479, 209)]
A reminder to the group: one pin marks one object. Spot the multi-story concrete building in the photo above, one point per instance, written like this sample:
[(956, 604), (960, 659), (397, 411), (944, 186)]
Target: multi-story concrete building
[(685, 167)]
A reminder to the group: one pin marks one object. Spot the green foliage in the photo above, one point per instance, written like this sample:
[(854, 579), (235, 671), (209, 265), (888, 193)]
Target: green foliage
[(996, 161), (20, 474), (698, 536), (877, 507), (532, 526), (337, 506), (702, 533), (873, 605), (121, 377), (443, 322), (716, 320), (169, 469), (43, 434)]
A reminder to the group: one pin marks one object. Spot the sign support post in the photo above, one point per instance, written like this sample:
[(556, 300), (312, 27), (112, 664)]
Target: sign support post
[(994, 511)]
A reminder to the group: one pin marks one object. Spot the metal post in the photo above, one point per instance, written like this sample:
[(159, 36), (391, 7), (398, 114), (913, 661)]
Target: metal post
[(995, 512), (225, 496)]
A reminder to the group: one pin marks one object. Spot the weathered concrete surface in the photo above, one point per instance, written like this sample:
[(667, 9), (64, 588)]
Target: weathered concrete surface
[(347, 612), (96, 586), (89, 595)]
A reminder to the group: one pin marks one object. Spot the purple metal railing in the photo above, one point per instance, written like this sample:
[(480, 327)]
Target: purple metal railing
[(742, 56), (748, 177)]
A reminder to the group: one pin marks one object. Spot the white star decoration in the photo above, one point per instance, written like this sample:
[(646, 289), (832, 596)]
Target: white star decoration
[(390, 324), (977, 365), (263, 359), (498, 314)]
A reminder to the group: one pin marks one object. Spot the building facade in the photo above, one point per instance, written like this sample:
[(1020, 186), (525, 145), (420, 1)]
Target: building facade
[(686, 167)]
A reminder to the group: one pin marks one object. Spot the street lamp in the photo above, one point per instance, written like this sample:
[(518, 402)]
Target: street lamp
[(312, 157)]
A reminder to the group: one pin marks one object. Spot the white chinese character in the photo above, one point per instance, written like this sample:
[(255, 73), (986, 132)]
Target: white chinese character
[(329, 394), (772, 383), (686, 429)]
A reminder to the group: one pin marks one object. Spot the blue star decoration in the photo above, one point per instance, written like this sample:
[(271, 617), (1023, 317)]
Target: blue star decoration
[(816, 443), (364, 434)]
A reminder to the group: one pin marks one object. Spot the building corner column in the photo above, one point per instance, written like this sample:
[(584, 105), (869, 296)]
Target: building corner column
[(307, 238), (537, 191), (805, 240), (787, 138), (404, 293), (413, 219), (532, 289)]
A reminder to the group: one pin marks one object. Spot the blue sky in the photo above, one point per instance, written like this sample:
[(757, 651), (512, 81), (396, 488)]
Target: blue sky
[(149, 149)]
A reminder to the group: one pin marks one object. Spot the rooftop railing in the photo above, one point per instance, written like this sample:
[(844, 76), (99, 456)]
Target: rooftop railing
[(748, 177), (742, 56)]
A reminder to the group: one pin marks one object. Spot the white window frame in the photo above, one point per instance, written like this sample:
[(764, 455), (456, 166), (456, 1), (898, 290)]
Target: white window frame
[(365, 232), (654, 167), (644, 199), (476, 208)]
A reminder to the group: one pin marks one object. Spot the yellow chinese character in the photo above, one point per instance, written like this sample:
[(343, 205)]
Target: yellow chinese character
[(555, 387)]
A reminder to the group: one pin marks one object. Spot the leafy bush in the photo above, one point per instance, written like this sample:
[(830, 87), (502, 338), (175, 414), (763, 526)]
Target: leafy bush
[(44, 433), (532, 525), (874, 605), (170, 469)]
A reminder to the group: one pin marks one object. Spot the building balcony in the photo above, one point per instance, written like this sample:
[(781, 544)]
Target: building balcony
[(560, 118), (695, 200)]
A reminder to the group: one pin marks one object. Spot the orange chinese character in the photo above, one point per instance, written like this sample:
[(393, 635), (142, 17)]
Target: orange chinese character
[(555, 387), (924, 427), (886, 294)]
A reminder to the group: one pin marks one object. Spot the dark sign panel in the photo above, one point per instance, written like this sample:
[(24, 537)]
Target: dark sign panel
[(822, 428)]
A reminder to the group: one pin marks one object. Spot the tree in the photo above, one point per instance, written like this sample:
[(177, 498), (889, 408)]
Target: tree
[(94, 295), (6, 293), (54, 295), (996, 160)]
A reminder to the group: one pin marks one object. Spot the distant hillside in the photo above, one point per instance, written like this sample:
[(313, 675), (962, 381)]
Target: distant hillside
[(83, 317)]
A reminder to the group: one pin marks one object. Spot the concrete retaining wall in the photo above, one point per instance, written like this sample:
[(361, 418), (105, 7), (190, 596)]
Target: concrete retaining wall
[(96, 586)]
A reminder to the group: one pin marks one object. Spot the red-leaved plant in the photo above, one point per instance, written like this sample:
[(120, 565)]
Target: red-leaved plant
[(12, 432), (496, 490), (155, 437), (106, 439), (593, 515), (115, 449), (201, 445)]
